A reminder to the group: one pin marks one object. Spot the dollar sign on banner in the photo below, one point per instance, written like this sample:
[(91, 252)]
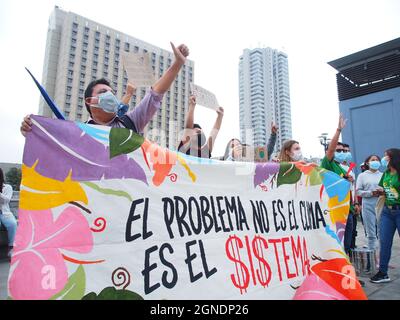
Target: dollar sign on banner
[(264, 272), (242, 279)]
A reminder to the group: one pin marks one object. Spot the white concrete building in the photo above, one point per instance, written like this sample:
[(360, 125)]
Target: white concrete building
[(79, 50), (264, 96)]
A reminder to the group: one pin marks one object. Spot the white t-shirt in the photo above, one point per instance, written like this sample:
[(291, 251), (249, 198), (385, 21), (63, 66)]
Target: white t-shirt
[(5, 198)]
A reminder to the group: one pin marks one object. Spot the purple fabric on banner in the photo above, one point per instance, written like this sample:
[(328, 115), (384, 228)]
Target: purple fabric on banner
[(264, 171), (88, 160)]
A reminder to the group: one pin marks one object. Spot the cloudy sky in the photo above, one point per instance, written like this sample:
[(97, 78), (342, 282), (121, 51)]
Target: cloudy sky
[(311, 32)]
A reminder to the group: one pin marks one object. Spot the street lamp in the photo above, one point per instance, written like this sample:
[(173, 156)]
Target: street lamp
[(324, 140)]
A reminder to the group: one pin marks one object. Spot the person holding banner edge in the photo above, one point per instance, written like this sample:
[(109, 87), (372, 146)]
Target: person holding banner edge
[(102, 105)]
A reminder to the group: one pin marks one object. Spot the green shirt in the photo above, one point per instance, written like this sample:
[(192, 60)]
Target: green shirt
[(332, 166), (391, 184), (338, 169)]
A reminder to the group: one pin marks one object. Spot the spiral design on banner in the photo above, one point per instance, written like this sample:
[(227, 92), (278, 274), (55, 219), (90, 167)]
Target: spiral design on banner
[(173, 177), (100, 223), (121, 277)]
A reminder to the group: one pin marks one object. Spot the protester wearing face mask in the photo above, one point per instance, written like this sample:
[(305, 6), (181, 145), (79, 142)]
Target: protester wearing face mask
[(367, 187), (346, 163), (332, 161), (290, 152), (194, 141), (103, 106), (390, 217), (234, 148)]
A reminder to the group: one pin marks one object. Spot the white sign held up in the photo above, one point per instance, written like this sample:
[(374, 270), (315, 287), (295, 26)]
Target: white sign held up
[(204, 97), (138, 68)]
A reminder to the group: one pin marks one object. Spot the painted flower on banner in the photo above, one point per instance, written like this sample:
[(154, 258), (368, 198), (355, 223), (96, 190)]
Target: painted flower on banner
[(341, 276), (314, 288), (38, 269), (39, 193), (83, 157)]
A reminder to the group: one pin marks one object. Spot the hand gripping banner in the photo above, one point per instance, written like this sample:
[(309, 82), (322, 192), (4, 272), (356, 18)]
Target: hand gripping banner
[(107, 214)]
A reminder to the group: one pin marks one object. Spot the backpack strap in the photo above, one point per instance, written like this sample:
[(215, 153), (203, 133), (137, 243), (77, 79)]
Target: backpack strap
[(128, 123)]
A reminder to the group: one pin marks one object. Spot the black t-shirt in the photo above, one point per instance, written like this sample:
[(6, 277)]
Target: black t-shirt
[(196, 152)]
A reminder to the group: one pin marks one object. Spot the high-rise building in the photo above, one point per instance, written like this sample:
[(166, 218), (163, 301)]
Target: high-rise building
[(264, 96), (79, 50)]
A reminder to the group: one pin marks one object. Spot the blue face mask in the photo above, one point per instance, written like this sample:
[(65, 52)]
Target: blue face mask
[(384, 162), (108, 102), (348, 157), (374, 165), (340, 157)]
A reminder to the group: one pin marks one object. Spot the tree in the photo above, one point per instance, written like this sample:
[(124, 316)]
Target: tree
[(13, 177)]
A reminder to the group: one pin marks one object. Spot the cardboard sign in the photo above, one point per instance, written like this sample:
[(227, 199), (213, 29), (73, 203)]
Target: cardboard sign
[(138, 68), (204, 97)]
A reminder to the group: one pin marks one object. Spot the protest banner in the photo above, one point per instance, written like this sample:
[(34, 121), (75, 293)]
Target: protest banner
[(106, 214), (204, 97), (138, 69)]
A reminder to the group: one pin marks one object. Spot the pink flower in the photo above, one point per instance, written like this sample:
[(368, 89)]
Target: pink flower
[(38, 269)]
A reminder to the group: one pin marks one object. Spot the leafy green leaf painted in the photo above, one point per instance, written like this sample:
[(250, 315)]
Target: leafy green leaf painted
[(75, 287), (124, 141), (110, 293), (315, 177), (288, 174), (113, 192)]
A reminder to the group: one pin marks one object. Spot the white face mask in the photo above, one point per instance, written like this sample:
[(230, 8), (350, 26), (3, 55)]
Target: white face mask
[(297, 155)]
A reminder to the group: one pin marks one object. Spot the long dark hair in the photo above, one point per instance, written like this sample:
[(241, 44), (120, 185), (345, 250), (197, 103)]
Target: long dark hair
[(366, 165), (1, 180), (228, 148), (394, 162)]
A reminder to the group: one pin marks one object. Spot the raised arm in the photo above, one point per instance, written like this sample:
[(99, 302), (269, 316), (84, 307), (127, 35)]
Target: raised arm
[(215, 129), (189, 121), (272, 140), (163, 84), (130, 90), (330, 153)]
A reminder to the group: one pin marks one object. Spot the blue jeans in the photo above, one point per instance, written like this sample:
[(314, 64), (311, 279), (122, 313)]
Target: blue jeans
[(8, 220), (389, 222), (348, 233)]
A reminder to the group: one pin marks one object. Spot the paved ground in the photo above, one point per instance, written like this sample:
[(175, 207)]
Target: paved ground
[(386, 291)]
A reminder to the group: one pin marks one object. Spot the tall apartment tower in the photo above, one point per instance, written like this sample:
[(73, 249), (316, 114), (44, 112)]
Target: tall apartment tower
[(79, 50), (264, 96)]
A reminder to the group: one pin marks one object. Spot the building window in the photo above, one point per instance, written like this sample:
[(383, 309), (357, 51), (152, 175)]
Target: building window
[(71, 65), (86, 30), (136, 49), (126, 48)]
